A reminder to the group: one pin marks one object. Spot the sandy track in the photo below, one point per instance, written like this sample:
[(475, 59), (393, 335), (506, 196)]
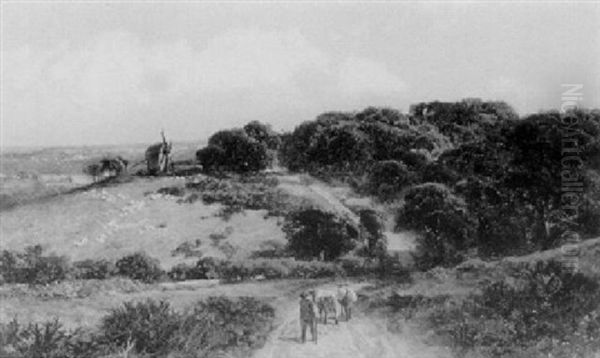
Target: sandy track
[(361, 337)]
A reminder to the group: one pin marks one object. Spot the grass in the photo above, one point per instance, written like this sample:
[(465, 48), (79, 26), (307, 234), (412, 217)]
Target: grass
[(104, 223)]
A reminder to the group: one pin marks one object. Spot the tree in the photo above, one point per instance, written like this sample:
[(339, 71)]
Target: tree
[(373, 229), (263, 133), (387, 178), (234, 150), (441, 218), (313, 232), (210, 157)]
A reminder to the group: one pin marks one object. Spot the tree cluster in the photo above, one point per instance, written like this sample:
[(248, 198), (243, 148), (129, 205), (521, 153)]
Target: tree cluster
[(239, 150)]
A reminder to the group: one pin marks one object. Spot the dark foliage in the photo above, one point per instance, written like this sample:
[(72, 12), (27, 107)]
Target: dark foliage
[(221, 324), (442, 220), (387, 178), (313, 232), (550, 310), (148, 325), (139, 266), (233, 150), (32, 267), (46, 340), (94, 269)]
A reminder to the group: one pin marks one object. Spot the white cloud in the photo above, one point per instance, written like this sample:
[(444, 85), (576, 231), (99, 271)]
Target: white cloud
[(77, 94), (361, 76), (513, 91)]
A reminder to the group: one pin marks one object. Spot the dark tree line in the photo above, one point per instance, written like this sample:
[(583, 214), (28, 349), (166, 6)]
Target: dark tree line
[(498, 178), (249, 149), (472, 175)]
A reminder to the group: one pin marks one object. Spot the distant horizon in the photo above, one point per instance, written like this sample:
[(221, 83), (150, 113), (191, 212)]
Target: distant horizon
[(205, 139)]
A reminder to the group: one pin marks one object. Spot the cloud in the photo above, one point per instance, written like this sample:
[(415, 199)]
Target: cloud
[(521, 96), (80, 94), (362, 76), (365, 82)]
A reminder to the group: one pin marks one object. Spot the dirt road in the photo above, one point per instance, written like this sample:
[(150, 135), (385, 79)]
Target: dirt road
[(361, 337)]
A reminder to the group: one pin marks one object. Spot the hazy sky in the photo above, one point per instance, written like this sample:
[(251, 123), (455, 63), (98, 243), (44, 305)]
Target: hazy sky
[(117, 72)]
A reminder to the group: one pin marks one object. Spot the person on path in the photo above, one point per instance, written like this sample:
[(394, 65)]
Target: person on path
[(308, 317)]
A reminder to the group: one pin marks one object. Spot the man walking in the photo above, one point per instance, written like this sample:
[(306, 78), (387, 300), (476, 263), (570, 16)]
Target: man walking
[(308, 317)]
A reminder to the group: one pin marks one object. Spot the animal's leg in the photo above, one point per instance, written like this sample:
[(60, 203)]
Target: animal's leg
[(303, 329)]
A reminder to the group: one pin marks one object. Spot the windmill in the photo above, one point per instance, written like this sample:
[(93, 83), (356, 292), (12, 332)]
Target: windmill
[(158, 159)]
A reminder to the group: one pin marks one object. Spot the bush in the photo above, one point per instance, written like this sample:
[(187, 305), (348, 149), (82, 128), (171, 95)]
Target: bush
[(373, 226), (387, 178), (313, 232), (149, 325), (249, 193), (445, 227), (233, 150), (216, 325), (188, 249), (182, 272), (240, 270), (32, 267), (139, 266), (270, 249), (94, 269), (221, 324), (172, 191), (437, 172), (47, 340), (548, 310)]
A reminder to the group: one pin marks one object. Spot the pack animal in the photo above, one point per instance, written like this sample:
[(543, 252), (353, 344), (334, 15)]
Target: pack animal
[(346, 298), (327, 303)]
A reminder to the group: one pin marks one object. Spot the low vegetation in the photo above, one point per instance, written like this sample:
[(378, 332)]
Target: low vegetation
[(217, 325), (313, 233), (544, 309), (236, 194)]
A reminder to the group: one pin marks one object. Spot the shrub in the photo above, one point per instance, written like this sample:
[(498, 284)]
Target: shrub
[(208, 267), (233, 150), (251, 192), (94, 269), (149, 325), (313, 232), (182, 272), (213, 326), (443, 222), (548, 309), (270, 249), (32, 267), (221, 324), (239, 270), (437, 172), (172, 191), (373, 226), (387, 178), (188, 249), (47, 340), (210, 157), (139, 266)]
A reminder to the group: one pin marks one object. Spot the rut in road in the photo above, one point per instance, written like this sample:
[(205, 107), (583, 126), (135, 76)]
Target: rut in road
[(361, 337)]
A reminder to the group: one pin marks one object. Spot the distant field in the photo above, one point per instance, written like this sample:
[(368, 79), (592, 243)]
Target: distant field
[(30, 173)]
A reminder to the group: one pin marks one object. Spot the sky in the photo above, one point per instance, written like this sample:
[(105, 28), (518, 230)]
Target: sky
[(92, 73)]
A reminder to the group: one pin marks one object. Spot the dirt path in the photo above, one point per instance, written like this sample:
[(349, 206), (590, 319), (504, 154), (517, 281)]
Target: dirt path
[(361, 337)]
